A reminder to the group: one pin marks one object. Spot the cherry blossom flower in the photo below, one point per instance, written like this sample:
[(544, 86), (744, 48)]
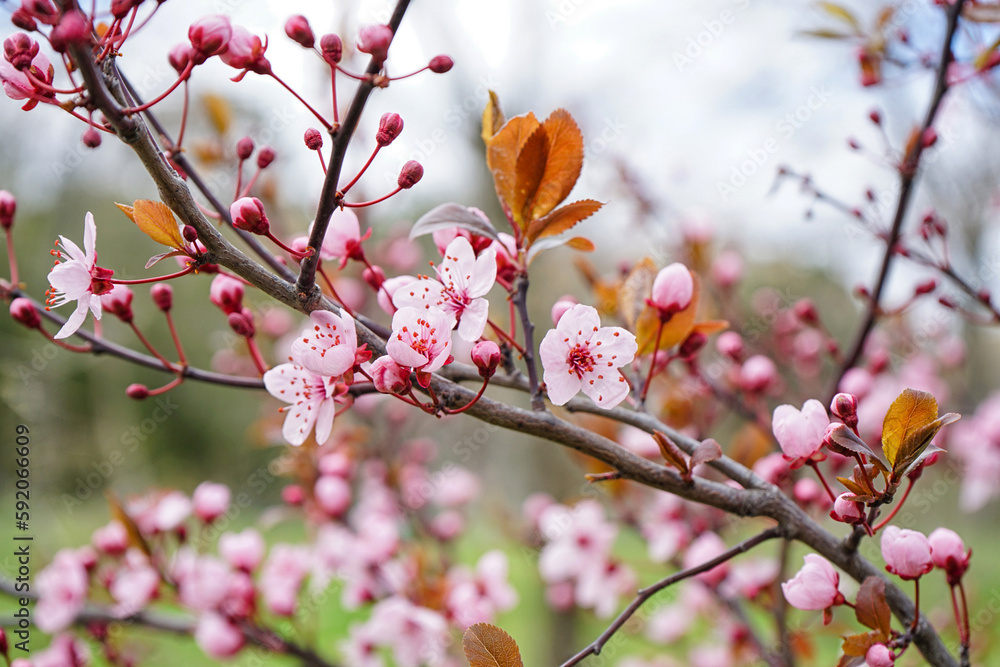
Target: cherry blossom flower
[(478, 597), (599, 587), (463, 279), (111, 539), (343, 238), (329, 347), (203, 581), (17, 86), (703, 549), (62, 590), (800, 433), (578, 537), (879, 655), (217, 636), (421, 339), (581, 354), (210, 501), (814, 587), (135, 584), (244, 550), (78, 278), (313, 401), (282, 576), (948, 553), (387, 293), (907, 553)]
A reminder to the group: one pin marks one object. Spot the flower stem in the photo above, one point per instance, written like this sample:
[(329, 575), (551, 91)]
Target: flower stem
[(177, 340), (320, 118), (146, 281), (290, 251), (468, 405), (506, 336), (167, 387), (652, 362), (899, 505), (149, 346), (373, 201), (343, 191), (142, 107), (12, 258), (258, 359), (812, 464), (916, 605)]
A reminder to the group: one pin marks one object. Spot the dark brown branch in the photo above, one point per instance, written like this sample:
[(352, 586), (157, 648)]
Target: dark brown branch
[(520, 297)]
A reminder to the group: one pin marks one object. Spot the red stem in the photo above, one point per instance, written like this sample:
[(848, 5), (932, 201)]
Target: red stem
[(184, 117), (258, 360), (320, 118), (293, 253), (354, 180), (887, 519), (812, 464), (374, 201), (506, 336), (652, 362), (475, 399), (12, 258), (167, 387), (67, 346), (149, 346), (142, 107), (146, 281), (177, 340)]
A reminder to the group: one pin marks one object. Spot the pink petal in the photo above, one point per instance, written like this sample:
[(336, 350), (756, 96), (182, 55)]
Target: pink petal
[(474, 318), (561, 385), (606, 391)]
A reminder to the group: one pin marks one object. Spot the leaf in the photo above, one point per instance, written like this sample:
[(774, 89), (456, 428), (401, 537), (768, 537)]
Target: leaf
[(931, 449), (678, 328), (487, 645), (127, 210), (530, 168), (871, 609), (909, 426), (858, 645), (563, 164), (841, 13), (844, 441), (825, 33), (119, 514), (502, 150), (576, 243), (156, 221), (220, 113), (853, 486), (451, 215), (163, 255), (706, 452), (634, 290), (562, 219), (580, 243), (671, 453), (492, 117)]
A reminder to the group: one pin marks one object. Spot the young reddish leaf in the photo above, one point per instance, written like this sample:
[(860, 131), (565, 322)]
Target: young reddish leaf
[(502, 150), (492, 117), (672, 454), (530, 169), (163, 255), (674, 331), (563, 218), (853, 486), (709, 327), (580, 243), (909, 426), (871, 609), (127, 210), (487, 645), (706, 452), (635, 289), (564, 163), (156, 221), (858, 645), (851, 661)]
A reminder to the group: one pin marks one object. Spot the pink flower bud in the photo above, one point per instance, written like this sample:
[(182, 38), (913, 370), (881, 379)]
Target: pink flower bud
[(692, 345), (43, 10), (673, 290), (560, 307), (333, 495), (120, 8), (948, 553), (242, 323), (730, 344), (226, 293), (189, 233), (73, 30), (245, 51), (111, 539), (410, 174), (727, 269), (389, 377), (374, 40), (293, 495), (298, 30), (19, 50), (907, 553), (23, 20), (23, 311), (486, 357), (91, 138), (8, 206), (244, 551), (879, 655), (244, 148), (217, 636), (389, 128), (814, 587), (137, 391), (374, 276), (180, 56), (163, 296), (845, 406), (210, 501), (703, 549), (248, 214), (209, 37), (265, 157), (847, 511), (440, 64), (313, 139), (118, 302), (332, 49), (806, 311), (758, 374)]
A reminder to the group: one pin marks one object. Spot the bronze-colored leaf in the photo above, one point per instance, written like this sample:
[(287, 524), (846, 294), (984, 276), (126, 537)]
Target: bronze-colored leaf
[(842, 14), (909, 427), (635, 289), (708, 451), (671, 453), (563, 166), (530, 167), (127, 210), (502, 150), (487, 645), (220, 112), (858, 645), (156, 221), (562, 219), (853, 486), (871, 609), (492, 117), (582, 244)]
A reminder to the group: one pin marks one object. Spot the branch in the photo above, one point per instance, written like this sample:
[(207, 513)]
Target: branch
[(907, 175), (520, 297)]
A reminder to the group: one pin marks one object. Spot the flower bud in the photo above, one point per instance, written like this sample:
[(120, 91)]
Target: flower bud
[(313, 139), (180, 56), (137, 391), (265, 157), (847, 511), (248, 214), (332, 494), (293, 495), (815, 586), (374, 276), (118, 302), (948, 553), (806, 311), (374, 40), (758, 374), (242, 323), (91, 138), (23, 311), (560, 307), (845, 406), (244, 148), (19, 50), (210, 501), (672, 291), (730, 344), (879, 655), (4, 646), (8, 206), (227, 294), (246, 51), (189, 233), (332, 49), (120, 8), (389, 128), (73, 30), (23, 20), (907, 553), (389, 377), (486, 357), (692, 345), (209, 37), (298, 30), (410, 174), (163, 296), (440, 64)]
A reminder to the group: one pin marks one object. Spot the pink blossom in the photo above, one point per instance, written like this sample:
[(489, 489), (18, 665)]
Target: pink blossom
[(455, 486), (727, 269), (78, 279), (313, 401), (662, 526), (600, 586), (578, 538), (210, 501), (848, 511), (772, 467), (388, 291), (421, 339), (17, 86), (580, 354), (673, 289), (63, 651), (478, 597), (62, 590), (217, 636), (226, 293), (333, 494), (748, 578), (389, 377), (560, 307), (814, 587), (758, 374), (243, 550), (245, 51), (907, 553), (415, 635), (343, 237), (135, 584), (298, 30), (800, 433), (111, 539), (948, 553), (170, 511), (375, 40), (209, 36), (282, 576), (879, 655), (704, 548), (204, 581), (463, 279), (447, 525), (330, 346)]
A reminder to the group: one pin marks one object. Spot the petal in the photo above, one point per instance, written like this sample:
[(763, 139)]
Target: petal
[(404, 355), (613, 347), (484, 273), (324, 420), (606, 389), (299, 422), (422, 293), (474, 320), (579, 323), (90, 238), (440, 358), (73, 251), (287, 382), (74, 321), (71, 278), (561, 385)]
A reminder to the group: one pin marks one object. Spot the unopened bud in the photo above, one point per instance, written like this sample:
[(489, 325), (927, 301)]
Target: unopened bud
[(91, 138), (8, 206), (486, 357), (410, 174), (118, 302), (163, 296), (209, 37), (189, 233), (313, 139), (23, 20), (374, 40), (930, 137), (179, 57), (730, 344), (137, 391), (298, 30), (440, 64), (374, 276), (265, 157), (389, 128), (293, 495), (845, 406), (332, 49), (248, 214), (805, 310), (242, 323), (23, 311), (692, 345), (389, 377), (73, 30), (19, 50), (226, 293), (244, 148)]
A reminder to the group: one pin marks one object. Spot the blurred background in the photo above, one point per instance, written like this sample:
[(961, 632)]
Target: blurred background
[(688, 110)]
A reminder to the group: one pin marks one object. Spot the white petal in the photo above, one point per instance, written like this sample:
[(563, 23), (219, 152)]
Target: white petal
[(74, 321), (287, 382), (404, 355), (90, 238), (324, 420), (484, 274), (474, 320), (606, 389), (561, 385), (299, 422)]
